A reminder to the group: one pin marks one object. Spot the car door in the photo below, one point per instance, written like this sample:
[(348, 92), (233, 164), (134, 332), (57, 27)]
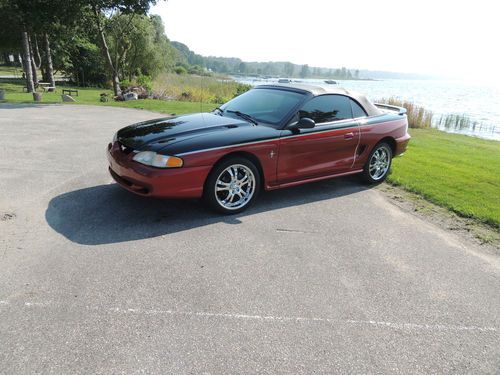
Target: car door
[(328, 148)]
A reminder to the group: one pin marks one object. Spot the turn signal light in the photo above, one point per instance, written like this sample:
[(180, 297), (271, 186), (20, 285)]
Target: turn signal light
[(174, 162)]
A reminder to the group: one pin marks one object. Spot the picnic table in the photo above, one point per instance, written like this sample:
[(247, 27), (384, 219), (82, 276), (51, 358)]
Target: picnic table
[(46, 86), (70, 92)]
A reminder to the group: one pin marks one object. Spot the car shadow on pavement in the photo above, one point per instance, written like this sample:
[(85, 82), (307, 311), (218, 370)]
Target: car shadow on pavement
[(107, 214)]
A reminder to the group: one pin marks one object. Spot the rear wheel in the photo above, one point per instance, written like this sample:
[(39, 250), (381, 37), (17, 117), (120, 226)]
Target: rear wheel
[(232, 186), (379, 163)]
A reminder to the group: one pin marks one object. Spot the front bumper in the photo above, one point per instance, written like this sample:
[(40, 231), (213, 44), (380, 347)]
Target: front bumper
[(184, 182)]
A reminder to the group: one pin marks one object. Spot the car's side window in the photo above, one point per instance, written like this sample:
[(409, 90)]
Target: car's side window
[(357, 110), (327, 108)]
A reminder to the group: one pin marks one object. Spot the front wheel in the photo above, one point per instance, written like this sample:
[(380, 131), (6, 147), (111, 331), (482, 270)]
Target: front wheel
[(379, 163), (232, 185)]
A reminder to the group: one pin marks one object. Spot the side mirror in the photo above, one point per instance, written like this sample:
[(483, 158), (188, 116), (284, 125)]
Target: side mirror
[(303, 123)]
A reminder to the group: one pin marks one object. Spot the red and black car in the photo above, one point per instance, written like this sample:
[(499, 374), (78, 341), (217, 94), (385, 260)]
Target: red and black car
[(270, 137)]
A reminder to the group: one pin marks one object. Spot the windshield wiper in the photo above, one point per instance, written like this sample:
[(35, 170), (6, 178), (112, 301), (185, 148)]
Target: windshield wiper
[(243, 115)]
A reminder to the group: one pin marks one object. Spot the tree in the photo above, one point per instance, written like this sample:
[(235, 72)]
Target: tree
[(48, 61), (100, 8), (34, 65), (289, 69), (27, 62), (304, 71), (144, 47), (268, 69), (10, 36), (32, 17), (14, 15), (242, 68), (81, 57), (343, 73)]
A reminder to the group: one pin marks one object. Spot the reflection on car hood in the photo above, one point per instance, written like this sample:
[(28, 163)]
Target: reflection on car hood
[(155, 135)]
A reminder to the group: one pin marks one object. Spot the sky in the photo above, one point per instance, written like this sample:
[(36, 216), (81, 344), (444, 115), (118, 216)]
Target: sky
[(456, 39)]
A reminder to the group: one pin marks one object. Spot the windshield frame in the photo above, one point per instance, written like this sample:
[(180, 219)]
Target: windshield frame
[(289, 115)]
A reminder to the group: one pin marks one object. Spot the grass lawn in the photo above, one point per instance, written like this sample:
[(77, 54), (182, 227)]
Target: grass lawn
[(15, 71), (91, 96), (458, 172), (10, 71)]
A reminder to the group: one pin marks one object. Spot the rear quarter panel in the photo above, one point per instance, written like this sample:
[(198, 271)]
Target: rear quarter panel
[(374, 129)]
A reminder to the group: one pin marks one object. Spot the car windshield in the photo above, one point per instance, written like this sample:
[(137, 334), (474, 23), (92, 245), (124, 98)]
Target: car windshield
[(264, 105)]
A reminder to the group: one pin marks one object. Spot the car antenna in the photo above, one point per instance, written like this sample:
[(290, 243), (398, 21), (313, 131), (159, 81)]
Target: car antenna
[(201, 93), (201, 98)]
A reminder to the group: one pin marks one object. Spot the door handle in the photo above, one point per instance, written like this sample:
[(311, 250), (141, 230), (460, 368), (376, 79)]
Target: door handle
[(349, 135)]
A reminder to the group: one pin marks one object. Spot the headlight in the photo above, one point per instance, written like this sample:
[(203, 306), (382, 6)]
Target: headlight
[(156, 160)]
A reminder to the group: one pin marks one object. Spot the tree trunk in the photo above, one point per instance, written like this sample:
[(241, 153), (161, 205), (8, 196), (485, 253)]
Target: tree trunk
[(34, 71), (49, 67), (6, 57), (38, 59), (33, 64), (105, 50), (36, 55), (27, 62)]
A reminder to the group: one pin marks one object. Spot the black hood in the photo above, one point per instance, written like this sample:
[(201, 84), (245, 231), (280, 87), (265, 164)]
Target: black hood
[(155, 135), (181, 134)]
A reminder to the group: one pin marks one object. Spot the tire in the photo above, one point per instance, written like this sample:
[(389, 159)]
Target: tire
[(229, 195), (378, 165)]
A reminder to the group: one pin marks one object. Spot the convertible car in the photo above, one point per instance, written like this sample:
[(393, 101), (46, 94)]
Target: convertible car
[(271, 137)]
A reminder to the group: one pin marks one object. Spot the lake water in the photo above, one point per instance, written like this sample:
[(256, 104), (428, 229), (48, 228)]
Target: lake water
[(481, 103)]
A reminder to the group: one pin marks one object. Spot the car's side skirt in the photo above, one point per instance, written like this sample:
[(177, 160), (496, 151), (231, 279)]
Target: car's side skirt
[(305, 181)]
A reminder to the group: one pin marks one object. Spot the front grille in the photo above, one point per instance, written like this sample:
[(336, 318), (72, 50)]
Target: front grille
[(139, 189)]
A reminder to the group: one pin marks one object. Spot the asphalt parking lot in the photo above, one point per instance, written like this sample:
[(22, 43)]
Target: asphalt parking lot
[(324, 278)]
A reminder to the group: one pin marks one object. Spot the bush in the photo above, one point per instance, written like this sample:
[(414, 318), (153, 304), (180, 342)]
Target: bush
[(195, 88), (180, 70), (145, 81), (125, 84), (241, 88), (418, 117), (195, 69), (218, 100)]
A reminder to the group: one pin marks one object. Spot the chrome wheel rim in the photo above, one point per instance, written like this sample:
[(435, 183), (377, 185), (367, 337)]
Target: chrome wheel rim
[(379, 163), (235, 186)]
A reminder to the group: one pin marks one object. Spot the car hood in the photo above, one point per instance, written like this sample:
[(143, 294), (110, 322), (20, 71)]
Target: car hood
[(159, 134)]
